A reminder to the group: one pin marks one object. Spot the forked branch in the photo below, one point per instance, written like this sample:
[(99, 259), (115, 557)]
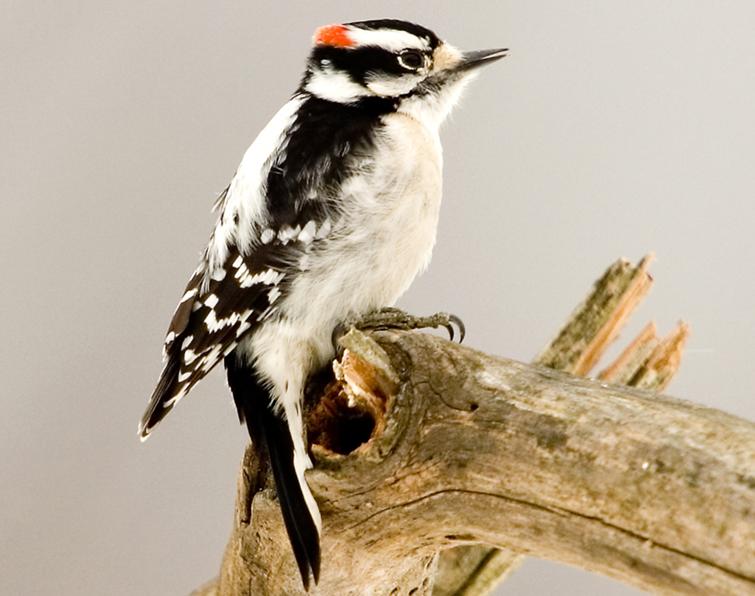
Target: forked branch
[(466, 448)]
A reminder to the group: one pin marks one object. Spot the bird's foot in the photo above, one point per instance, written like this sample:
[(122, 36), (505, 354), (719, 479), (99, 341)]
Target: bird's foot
[(395, 318)]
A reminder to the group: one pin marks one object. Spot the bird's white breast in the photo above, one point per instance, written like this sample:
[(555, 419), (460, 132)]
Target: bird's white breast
[(382, 239)]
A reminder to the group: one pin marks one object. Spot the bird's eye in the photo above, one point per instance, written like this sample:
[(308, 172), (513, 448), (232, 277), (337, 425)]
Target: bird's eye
[(411, 59)]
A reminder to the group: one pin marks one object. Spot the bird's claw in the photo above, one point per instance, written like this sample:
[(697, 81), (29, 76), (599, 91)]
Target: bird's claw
[(394, 318), (454, 320)]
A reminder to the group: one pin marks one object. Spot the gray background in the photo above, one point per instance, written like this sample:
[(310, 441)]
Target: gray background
[(613, 128)]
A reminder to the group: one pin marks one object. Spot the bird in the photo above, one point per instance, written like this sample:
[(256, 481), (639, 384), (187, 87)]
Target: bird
[(329, 217)]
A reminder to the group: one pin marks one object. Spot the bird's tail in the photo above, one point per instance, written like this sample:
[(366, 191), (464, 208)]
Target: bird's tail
[(163, 398), (270, 429)]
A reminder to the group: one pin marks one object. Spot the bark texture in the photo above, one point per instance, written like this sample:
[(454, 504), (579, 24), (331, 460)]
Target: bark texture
[(657, 492), (647, 362), (421, 446)]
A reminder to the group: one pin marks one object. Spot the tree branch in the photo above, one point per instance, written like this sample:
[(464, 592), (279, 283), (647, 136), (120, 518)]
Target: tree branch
[(467, 448), (647, 362), (651, 490)]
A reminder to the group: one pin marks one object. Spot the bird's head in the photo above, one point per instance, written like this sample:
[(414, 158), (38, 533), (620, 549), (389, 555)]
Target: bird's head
[(392, 60)]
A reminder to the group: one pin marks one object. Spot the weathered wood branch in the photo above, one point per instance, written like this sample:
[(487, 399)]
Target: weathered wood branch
[(466, 448), (654, 491), (647, 362)]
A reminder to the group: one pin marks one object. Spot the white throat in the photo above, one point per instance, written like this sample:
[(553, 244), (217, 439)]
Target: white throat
[(432, 109)]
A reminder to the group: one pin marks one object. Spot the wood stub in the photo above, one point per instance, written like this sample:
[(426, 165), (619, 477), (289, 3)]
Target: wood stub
[(598, 319)]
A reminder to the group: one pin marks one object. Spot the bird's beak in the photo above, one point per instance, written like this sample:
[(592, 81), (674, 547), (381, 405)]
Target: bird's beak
[(475, 59)]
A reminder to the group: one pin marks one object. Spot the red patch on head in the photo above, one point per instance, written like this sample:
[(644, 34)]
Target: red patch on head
[(333, 35)]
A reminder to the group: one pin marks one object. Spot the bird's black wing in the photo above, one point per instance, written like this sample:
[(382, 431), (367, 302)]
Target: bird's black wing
[(218, 308)]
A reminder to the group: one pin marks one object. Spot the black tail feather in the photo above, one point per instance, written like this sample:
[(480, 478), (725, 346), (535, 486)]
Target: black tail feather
[(271, 430), (156, 409), (302, 531)]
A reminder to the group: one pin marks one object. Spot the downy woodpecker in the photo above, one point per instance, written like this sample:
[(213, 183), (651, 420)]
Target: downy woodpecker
[(330, 216)]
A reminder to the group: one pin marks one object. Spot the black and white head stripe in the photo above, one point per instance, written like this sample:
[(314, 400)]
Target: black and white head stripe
[(392, 34), (361, 64), (381, 58)]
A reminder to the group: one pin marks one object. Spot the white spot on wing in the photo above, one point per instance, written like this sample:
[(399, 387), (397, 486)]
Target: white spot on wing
[(211, 301), (307, 233), (190, 294), (212, 358), (267, 236), (176, 398), (288, 233), (187, 340), (241, 271), (245, 325), (267, 277), (214, 324)]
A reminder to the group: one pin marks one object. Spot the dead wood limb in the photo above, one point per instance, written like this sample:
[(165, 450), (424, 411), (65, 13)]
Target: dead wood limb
[(476, 449), (588, 332), (578, 346), (596, 322), (651, 490)]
